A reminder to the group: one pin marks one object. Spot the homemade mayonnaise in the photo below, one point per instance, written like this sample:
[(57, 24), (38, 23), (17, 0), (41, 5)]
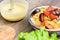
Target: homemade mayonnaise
[(18, 12)]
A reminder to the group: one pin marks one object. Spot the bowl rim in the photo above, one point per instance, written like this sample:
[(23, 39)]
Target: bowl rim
[(37, 27)]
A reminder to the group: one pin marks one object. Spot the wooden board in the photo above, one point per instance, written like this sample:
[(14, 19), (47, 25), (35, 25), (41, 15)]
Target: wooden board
[(24, 25)]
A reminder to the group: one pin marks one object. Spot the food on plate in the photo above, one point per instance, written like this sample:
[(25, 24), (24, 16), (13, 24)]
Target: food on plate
[(7, 34), (47, 16), (40, 34)]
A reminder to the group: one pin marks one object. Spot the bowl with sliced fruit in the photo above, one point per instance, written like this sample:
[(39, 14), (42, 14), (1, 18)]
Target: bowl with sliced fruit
[(46, 16)]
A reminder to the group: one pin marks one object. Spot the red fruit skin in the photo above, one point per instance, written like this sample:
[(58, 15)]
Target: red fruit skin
[(42, 23), (49, 8), (47, 11), (42, 17), (52, 16)]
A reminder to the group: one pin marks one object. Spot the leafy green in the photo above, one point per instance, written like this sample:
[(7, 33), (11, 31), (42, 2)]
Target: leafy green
[(53, 37), (40, 34), (33, 36), (45, 35), (21, 36)]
